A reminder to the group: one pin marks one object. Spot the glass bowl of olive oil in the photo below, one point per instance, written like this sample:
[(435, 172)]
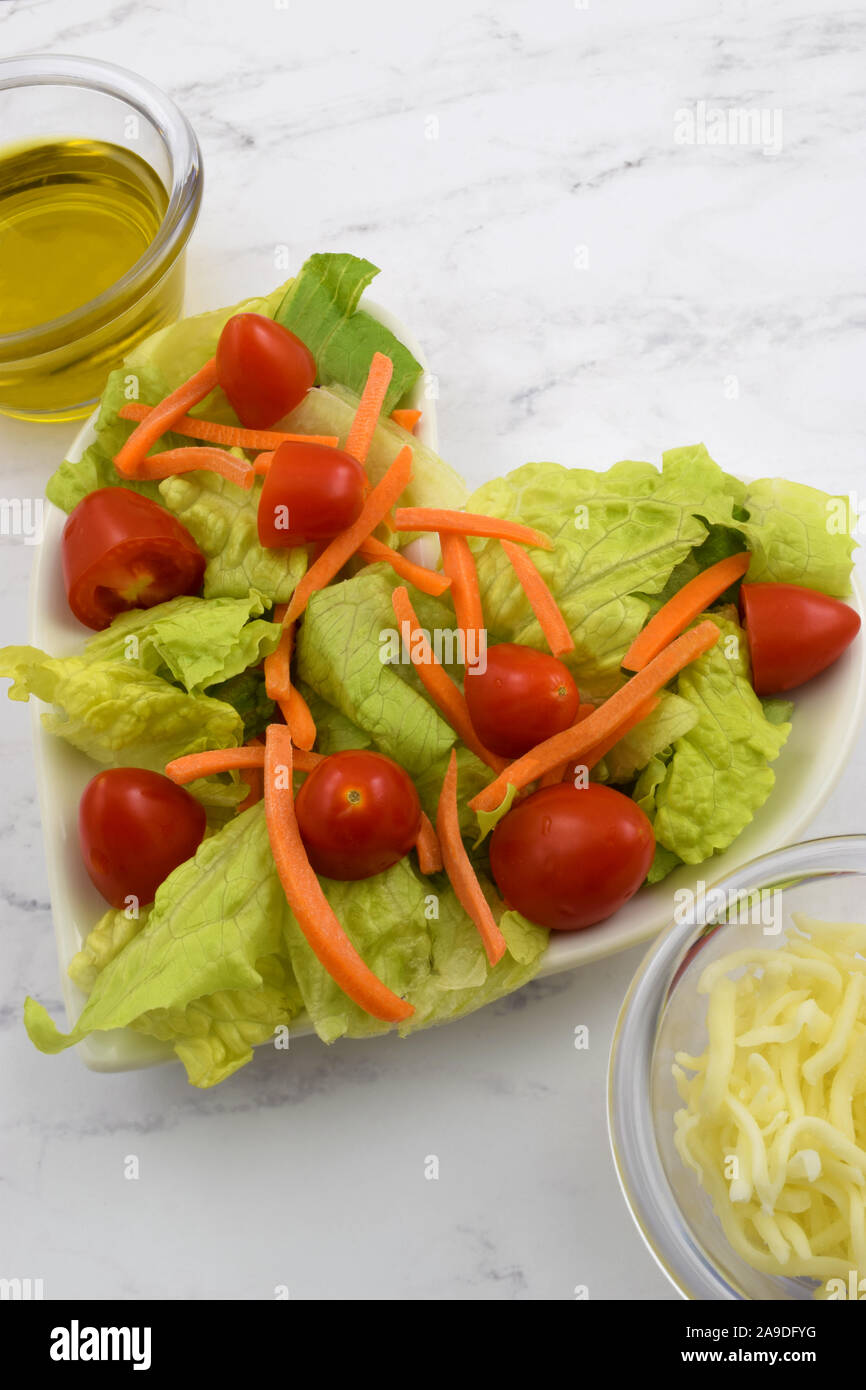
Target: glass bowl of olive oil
[(100, 187)]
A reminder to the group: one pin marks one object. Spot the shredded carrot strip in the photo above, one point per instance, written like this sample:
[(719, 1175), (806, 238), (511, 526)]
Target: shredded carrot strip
[(687, 604), (407, 419), (342, 547), (458, 564), (581, 737), (468, 524), (187, 769), (312, 911), (278, 665), (194, 460), (227, 436), (459, 867), (296, 713), (428, 581), (447, 697), (360, 435), (163, 416), (557, 773), (541, 600), (255, 781), (263, 462), (427, 847), (594, 755)]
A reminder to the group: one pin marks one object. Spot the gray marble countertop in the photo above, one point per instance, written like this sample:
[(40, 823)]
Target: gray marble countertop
[(592, 279)]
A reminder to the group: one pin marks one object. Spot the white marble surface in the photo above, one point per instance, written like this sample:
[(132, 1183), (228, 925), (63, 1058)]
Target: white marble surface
[(703, 264)]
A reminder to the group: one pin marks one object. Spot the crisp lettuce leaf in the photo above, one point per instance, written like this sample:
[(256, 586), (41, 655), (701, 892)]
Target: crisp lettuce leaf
[(221, 518), (114, 930), (792, 542), (321, 308), (618, 534), (671, 719), (339, 654), (213, 918), (196, 642), (653, 775), (331, 409), (719, 774), (116, 712), (334, 732), (214, 1036), (415, 936)]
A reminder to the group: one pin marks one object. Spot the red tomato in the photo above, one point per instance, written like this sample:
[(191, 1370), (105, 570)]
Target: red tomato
[(358, 814), (311, 493), (567, 857), (521, 699), (793, 633), (134, 828), (263, 368), (120, 551)]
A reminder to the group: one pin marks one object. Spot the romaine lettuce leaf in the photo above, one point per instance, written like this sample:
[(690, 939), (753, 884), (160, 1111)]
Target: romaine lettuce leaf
[(321, 308), (720, 771), (247, 694), (114, 930), (339, 654), (791, 538), (116, 712), (221, 518), (194, 641), (618, 534), (672, 717)]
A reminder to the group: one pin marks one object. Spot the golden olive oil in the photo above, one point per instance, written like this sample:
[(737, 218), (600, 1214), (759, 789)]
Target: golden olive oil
[(75, 217)]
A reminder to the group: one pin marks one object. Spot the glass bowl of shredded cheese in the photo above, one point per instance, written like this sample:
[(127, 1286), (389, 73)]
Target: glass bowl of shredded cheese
[(737, 1085)]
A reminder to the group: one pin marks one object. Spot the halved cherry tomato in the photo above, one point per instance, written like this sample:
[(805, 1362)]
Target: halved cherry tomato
[(793, 633), (263, 368), (358, 814), (522, 698), (311, 493), (567, 857), (135, 827), (120, 551)]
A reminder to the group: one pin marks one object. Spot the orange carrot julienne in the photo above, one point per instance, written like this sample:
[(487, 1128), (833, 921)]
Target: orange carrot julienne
[(427, 848), (263, 462), (459, 565), (594, 755), (360, 435), (278, 664), (577, 740), (194, 765), (687, 604), (458, 867), (312, 911), (556, 774), (428, 581), (407, 419), (193, 460), (447, 697), (227, 436), (255, 781), (468, 524), (163, 416), (296, 713), (342, 547), (541, 600)]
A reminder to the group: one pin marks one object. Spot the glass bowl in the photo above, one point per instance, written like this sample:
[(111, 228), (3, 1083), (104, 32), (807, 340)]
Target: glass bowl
[(663, 1014), (57, 370)]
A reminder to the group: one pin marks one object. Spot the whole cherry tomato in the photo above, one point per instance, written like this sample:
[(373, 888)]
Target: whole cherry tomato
[(358, 814), (311, 493), (522, 698)]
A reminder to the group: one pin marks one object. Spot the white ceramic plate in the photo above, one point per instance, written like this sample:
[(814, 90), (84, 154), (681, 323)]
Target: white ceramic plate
[(827, 716)]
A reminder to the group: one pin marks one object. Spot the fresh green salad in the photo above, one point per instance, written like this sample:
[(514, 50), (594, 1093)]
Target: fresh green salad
[(332, 785)]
